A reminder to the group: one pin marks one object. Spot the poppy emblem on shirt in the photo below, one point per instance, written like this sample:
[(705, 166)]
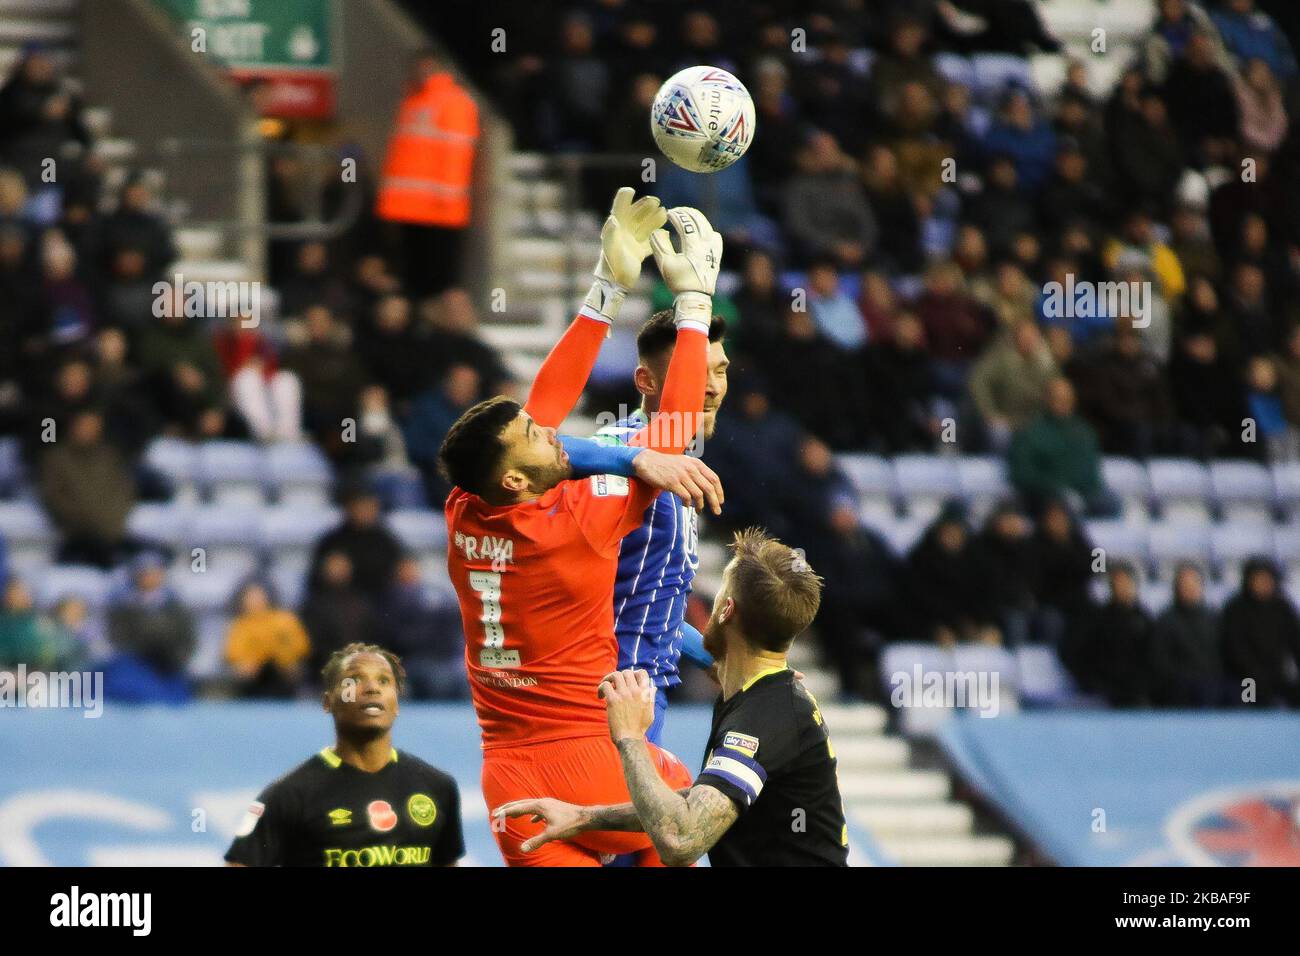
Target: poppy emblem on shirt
[(382, 816)]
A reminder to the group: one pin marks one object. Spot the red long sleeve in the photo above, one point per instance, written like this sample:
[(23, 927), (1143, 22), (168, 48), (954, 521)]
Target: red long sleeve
[(564, 374), (682, 403)]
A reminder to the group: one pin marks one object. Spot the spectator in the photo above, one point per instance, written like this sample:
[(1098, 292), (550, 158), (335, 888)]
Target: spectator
[(332, 378), (903, 61), (89, 491), (1139, 241), (313, 282), (1207, 395), (1009, 382), (956, 326), (1250, 33), (1278, 436), (1007, 547), (1057, 454), (1261, 107), (266, 645), (370, 547), (1190, 241), (1261, 639), (1147, 155), (86, 631), (425, 188), (152, 635), (826, 212), (1070, 194), (392, 354), (900, 380), (426, 635), (1109, 650), (39, 113), (1176, 22), (432, 414), (1186, 660), (454, 339), (900, 226), (67, 301), (135, 228), (31, 639), (762, 304), (948, 587), (836, 315), (1025, 137), (1202, 103), (267, 396), (1128, 401), (1002, 210), (1062, 561), (335, 613), (181, 368)]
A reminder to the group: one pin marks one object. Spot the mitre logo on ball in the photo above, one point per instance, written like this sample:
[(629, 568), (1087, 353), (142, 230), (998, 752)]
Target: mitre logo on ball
[(702, 119)]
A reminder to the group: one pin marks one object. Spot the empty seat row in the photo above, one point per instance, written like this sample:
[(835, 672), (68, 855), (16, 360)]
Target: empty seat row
[(234, 472), (1157, 549)]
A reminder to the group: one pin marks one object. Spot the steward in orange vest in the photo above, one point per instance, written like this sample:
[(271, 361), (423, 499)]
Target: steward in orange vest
[(426, 177)]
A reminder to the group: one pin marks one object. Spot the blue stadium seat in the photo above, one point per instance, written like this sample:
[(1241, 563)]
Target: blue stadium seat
[(1234, 543), (1286, 550), (874, 481), (1286, 488), (231, 472), (994, 72), (1244, 490), (29, 537), (210, 592), (925, 483), (210, 656), (1171, 542), (11, 467), (983, 659), (898, 663), (290, 527), (1217, 593), (421, 531), (1129, 480), (289, 579), (983, 483), (1044, 681), (1155, 597), (1181, 487), (1121, 541), (955, 68), (299, 474), (163, 524), (231, 538), (177, 460), (902, 534), (67, 580)]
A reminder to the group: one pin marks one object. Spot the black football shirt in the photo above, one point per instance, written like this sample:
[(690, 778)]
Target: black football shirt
[(328, 813), (770, 753)]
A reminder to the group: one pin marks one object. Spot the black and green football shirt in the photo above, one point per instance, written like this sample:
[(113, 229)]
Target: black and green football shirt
[(328, 813), (770, 753)]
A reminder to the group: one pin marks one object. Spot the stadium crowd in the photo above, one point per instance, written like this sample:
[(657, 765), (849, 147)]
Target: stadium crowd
[(893, 236)]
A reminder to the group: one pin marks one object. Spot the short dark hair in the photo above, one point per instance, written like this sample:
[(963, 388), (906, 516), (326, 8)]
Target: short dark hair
[(471, 452), (332, 672), (777, 594), (659, 333)]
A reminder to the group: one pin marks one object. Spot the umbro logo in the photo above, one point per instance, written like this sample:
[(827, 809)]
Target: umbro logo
[(340, 817)]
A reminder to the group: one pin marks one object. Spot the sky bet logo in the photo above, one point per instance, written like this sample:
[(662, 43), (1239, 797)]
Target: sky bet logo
[(133, 910)]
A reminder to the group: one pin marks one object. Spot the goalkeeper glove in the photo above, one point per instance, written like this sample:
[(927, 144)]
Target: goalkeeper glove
[(691, 274), (624, 244)]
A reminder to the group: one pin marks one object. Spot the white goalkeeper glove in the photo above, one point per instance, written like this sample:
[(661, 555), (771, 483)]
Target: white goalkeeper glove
[(691, 274), (624, 244)]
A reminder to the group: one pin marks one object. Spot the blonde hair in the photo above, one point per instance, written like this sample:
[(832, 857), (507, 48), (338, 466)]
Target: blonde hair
[(776, 593)]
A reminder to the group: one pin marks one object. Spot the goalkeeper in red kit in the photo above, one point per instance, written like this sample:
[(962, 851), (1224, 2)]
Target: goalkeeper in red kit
[(533, 552)]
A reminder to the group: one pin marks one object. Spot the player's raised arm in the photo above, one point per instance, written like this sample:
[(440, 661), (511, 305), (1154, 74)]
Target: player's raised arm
[(692, 275), (624, 244)]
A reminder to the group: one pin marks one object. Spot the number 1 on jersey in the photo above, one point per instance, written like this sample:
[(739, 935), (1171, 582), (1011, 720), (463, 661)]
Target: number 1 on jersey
[(487, 584)]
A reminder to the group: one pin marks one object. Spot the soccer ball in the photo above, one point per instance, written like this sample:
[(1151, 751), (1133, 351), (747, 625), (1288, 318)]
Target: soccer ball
[(703, 119)]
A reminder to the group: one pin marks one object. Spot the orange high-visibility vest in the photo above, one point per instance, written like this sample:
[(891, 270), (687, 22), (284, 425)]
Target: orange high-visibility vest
[(426, 178)]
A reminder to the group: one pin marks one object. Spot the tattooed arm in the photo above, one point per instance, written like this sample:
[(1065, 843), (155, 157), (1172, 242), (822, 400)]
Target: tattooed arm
[(682, 826)]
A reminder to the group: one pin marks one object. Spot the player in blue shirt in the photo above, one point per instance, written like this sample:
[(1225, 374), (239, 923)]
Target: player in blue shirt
[(658, 561)]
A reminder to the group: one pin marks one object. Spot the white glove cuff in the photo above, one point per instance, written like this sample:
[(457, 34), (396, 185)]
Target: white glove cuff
[(693, 310), (603, 301)]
